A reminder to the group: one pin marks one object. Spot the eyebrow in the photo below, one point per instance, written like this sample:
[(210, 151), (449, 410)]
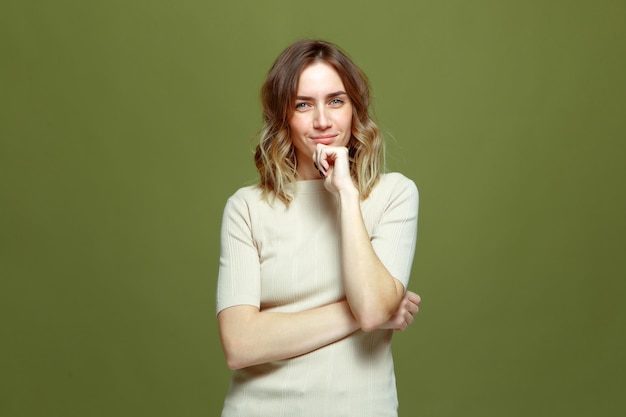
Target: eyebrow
[(335, 94)]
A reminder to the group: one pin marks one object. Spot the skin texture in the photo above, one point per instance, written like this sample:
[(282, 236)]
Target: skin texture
[(321, 127)]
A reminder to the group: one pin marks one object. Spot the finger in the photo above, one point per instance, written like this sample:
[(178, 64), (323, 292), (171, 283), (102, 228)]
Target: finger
[(320, 158), (318, 169), (414, 309), (330, 154), (413, 297)]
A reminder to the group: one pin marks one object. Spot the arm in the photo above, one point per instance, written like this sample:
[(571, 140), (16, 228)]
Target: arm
[(373, 294), (372, 291), (250, 337)]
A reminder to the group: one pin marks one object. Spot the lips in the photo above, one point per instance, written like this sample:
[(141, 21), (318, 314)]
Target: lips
[(324, 139)]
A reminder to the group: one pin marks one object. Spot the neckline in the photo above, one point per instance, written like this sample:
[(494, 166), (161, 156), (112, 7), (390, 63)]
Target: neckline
[(307, 186)]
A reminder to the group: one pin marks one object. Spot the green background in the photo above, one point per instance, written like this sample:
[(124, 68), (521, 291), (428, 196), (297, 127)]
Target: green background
[(125, 125)]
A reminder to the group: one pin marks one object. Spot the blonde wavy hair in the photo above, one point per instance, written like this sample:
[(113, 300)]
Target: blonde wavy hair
[(275, 156)]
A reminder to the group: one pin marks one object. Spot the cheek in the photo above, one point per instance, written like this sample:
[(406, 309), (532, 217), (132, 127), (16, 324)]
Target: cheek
[(297, 125), (349, 116), (348, 121)]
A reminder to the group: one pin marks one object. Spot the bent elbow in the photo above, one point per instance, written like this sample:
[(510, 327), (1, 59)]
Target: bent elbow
[(235, 353), (374, 316), (233, 363), (368, 327), (372, 320), (235, 359)]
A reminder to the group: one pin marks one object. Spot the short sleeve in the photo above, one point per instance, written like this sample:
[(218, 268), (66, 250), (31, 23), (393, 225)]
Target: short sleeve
[(394, 235), (238, 279)]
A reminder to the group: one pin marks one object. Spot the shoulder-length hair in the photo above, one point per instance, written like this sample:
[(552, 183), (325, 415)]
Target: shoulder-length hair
[(275, 156)]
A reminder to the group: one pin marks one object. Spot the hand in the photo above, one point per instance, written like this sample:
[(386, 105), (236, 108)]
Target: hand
[(333, 164), (408, 307)]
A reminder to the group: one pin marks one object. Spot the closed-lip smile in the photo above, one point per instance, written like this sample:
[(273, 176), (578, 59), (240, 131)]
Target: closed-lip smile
[(324, 139)]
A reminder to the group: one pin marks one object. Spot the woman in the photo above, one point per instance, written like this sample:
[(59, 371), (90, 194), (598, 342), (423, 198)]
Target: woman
[(315, 259)]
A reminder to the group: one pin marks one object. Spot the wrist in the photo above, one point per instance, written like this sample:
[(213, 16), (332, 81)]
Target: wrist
[(349, 203), (349, 193)]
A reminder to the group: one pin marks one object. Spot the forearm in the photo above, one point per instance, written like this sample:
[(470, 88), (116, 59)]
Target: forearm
[(250, 337), (372, 292)]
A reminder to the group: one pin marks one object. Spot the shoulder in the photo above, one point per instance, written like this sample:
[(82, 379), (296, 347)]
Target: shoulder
[(249, 192), (246, 195), (251, 199), (396, 183), (243, 199), (393, 190)]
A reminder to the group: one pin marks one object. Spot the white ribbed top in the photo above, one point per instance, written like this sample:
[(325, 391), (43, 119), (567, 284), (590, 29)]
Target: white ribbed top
[(287, 259)]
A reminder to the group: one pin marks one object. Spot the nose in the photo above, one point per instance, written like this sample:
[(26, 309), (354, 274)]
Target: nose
[(322, 119)]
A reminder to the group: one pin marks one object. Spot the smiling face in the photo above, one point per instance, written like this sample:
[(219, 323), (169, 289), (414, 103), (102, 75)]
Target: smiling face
[(322, 114)]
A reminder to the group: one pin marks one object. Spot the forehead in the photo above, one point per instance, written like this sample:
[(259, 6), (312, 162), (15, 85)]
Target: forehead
[(319, 77)]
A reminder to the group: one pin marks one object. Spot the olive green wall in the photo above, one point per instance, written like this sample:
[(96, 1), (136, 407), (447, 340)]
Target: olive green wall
[(125, 125)]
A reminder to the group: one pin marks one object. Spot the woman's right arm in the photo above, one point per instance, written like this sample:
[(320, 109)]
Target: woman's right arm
[(250, 337)]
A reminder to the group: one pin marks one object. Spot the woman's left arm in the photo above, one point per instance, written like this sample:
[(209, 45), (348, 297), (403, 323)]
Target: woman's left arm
[(373, 293)]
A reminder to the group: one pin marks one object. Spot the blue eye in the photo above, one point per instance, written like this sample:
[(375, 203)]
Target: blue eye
[(336, 102), (301, 106)]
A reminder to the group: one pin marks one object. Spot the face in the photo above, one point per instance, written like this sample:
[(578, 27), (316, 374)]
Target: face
[(322, 114)]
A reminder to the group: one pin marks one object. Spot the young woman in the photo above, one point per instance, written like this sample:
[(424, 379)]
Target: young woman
[(315, 259)]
